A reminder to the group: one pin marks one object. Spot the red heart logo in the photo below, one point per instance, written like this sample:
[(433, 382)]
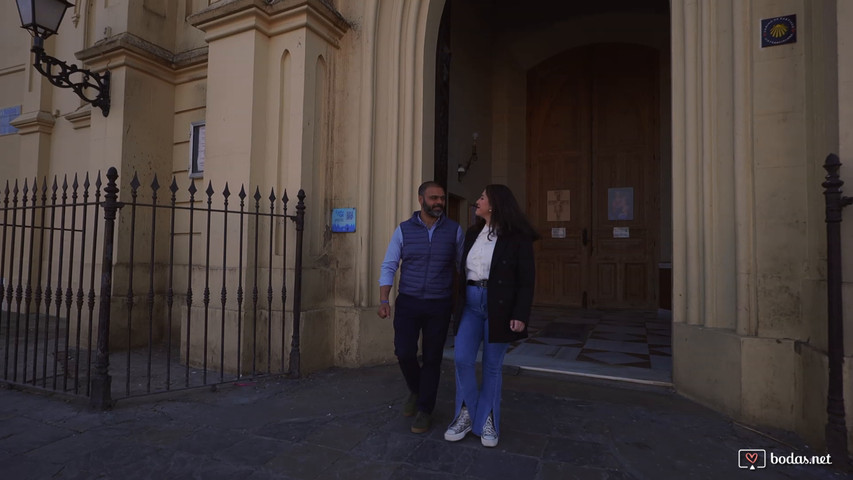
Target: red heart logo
[(751, 457)]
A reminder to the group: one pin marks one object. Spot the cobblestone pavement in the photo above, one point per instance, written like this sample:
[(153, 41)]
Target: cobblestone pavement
[(346, 424)]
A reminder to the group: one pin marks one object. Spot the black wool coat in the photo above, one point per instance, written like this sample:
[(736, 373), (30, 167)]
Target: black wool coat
[(510, 285)]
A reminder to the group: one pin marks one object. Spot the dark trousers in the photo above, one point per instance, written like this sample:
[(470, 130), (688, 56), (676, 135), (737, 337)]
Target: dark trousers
[(430, 319)]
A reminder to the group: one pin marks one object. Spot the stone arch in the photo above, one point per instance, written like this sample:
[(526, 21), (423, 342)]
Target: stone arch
[(398, 102)]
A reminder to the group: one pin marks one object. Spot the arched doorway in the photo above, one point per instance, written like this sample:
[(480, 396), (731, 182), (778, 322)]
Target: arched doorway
[(570, 104)]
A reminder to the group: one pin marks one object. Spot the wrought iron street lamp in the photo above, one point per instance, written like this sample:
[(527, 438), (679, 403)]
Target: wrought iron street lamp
[(42, 18)]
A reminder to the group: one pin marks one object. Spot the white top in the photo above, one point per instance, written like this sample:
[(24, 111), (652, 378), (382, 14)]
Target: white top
[(479, 259)]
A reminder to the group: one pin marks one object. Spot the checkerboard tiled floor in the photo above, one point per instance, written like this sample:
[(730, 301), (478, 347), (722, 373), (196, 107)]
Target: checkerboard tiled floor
[(627, 345), (638, 339)]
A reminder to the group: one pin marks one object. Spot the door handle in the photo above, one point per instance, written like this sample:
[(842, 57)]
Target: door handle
[(585, 237)]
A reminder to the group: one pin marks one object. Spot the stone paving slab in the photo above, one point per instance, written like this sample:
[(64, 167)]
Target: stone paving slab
[(346, 424)]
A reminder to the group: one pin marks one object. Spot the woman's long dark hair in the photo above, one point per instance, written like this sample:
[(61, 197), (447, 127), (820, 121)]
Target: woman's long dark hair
[(507, 217)]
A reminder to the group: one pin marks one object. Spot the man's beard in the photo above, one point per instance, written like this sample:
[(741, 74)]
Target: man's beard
[(432, 211)]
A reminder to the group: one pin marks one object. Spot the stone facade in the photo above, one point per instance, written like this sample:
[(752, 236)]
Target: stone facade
[(338, 97)]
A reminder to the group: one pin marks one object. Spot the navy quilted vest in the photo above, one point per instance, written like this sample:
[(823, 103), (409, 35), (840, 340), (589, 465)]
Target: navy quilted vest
[(426, 270)]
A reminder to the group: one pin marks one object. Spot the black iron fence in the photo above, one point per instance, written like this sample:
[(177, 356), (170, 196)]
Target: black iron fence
[(149, 330)]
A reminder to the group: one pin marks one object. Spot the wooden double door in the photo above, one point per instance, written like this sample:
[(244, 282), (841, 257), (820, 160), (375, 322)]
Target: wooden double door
[(593, 176)]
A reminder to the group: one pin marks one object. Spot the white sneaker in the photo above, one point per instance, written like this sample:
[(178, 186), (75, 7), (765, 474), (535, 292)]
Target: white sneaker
[(460, 427), (489, 438)]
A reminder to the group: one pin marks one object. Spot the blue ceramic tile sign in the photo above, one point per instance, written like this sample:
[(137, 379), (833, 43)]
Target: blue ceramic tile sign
[(343, 220), (778, 31), (6, 117)]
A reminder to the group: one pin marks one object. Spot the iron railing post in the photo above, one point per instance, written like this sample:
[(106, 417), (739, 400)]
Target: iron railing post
[(297, 284), (101, 398), (836, 427)]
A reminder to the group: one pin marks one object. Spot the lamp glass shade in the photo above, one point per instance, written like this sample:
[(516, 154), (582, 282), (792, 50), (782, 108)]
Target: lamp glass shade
[(42, 17), (25, 10)]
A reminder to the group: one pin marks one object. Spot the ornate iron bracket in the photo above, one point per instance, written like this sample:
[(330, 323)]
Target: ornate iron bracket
[(46, 65)]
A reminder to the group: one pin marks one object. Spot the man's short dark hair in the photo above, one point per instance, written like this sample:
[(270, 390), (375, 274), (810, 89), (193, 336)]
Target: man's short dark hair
[(428, 184)]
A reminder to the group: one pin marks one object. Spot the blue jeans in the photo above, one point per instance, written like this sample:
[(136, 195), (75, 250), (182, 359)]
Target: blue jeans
[(474, 330)]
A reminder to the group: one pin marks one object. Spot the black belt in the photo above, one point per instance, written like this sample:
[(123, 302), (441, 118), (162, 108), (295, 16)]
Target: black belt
[(478, 283)]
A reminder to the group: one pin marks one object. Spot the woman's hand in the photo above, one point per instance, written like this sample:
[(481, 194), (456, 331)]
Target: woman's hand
[(516, 325)]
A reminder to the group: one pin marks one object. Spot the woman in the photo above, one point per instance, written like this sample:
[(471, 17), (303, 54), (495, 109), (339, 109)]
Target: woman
[(498, 265)]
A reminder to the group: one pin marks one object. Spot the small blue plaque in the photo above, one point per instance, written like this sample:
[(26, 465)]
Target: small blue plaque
[(6, 117), (343, 219)]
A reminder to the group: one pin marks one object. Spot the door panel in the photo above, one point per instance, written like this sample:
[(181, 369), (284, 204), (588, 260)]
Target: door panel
[(636, 282), (624, 146), (592, 127), (606, 281), (559, 127)]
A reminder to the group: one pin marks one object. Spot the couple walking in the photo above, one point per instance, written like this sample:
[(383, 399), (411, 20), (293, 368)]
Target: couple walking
[(495, 259)]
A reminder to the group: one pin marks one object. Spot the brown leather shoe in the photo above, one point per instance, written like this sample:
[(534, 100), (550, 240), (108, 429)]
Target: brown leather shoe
[(422, 423)]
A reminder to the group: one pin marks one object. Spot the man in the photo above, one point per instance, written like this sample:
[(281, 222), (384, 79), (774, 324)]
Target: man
[(426, 248)]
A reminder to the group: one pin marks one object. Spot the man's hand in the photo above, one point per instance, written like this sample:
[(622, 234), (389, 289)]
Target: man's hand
[(384, 308), (516, 325)]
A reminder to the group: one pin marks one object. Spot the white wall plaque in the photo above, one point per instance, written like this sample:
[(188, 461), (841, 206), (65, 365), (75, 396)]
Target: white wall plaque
[(558, 233), (621, 232)]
